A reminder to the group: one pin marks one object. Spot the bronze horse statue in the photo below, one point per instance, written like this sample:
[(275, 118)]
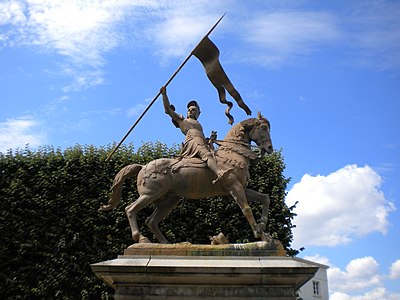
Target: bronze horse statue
[(162, 182)]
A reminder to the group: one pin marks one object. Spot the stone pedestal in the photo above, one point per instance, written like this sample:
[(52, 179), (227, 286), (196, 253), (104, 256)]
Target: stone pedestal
[(184, 271)]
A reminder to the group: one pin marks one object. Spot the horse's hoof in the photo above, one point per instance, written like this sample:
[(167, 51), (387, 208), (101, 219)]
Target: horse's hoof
[(144, 240)]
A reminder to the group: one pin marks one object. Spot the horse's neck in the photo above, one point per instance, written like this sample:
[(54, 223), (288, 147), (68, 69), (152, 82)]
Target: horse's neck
[(235, 145), (237, 155)]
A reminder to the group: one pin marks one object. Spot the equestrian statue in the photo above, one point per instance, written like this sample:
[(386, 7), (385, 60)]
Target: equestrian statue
[(198, 172)]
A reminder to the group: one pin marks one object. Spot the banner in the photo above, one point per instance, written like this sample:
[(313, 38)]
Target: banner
[(208, 54)]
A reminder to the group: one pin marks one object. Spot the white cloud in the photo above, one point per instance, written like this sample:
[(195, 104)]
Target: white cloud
[(180, 29), (360, 280), (17, 133), (379, 293), (359, 274), (292, 32), (336, 208), (374, 30), (83, 32), (11, 12), (182, 34), (318, 259), (287, 35), (395, 270), (366, 33), (136, 110), (80, 31), (83, 78)]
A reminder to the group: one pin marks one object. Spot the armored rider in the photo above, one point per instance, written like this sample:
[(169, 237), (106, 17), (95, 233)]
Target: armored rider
[(195, 144)]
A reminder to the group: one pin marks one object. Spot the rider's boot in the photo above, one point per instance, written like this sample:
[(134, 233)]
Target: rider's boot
[(212, 164), (221, 174)]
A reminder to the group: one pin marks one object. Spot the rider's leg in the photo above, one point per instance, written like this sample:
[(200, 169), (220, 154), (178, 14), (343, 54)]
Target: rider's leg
[(212, 164)]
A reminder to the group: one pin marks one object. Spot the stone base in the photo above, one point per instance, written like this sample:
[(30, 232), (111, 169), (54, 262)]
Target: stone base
[(229, 276), (271, 248)]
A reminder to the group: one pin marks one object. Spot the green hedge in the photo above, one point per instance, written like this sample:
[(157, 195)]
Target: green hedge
[(51, 229)]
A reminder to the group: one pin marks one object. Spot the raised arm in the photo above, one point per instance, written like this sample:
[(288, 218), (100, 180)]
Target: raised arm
[(169, 109), (167, 105)]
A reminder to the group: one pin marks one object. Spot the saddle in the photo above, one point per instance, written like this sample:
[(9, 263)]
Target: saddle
[(187, 162)]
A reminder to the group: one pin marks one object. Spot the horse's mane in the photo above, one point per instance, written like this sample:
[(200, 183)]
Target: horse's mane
[(237, 132)]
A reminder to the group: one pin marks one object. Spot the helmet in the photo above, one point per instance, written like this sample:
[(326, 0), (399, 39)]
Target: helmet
[(194, 103)]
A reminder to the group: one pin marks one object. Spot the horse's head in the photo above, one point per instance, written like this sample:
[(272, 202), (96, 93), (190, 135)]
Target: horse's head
[(259, 132)]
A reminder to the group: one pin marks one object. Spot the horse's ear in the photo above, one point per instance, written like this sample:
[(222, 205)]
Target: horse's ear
[(259, 115)]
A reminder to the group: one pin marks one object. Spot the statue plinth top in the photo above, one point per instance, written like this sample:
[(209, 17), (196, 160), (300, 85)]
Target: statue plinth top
[(262, 248)]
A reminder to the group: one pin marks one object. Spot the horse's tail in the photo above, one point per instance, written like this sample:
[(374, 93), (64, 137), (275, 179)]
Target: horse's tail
[(116, 189)]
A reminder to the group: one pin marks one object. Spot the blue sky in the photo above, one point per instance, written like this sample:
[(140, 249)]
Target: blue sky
[(326, 74)]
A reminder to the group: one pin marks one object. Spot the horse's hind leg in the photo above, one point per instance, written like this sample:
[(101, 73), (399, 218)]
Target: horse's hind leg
[(131, 211), (163, 208)]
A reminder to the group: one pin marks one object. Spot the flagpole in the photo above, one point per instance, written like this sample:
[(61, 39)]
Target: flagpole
[(159, 92)]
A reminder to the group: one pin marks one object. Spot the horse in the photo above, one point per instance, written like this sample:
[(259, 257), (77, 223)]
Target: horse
[(164, 181)]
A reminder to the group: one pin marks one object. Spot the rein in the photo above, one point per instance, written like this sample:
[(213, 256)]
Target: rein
[(220, 142)]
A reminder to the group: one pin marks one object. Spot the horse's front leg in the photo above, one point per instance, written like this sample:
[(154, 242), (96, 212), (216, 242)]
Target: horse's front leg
[(238, 193), (264, 200)]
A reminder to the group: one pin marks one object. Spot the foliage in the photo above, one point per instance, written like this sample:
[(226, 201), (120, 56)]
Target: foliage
[(51, 229)]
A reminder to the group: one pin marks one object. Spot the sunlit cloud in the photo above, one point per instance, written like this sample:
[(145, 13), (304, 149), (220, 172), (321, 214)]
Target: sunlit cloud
[(337, 208), (376, 293), (18, 132), (318, 259), (359, 274), (395, 270), (66, 27), (180, 30), (361, 279), (83, 32), (80, 31)]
